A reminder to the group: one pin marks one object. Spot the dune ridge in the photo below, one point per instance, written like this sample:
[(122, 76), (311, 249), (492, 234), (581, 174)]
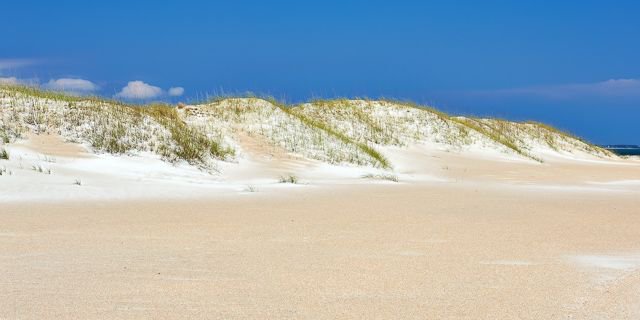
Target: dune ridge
[(339, 132)]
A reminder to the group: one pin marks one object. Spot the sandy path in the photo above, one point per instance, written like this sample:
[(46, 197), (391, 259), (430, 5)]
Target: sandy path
[(371, 252)]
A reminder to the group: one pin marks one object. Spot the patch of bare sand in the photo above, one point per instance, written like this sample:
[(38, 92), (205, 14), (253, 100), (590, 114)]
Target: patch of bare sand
[(53, 145), (465, 167), (369, 252), (269, 161)]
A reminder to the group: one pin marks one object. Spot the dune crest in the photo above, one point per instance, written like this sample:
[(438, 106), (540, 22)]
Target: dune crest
[(338, 132)]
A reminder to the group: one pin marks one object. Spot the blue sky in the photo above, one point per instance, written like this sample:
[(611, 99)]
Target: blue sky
[(574, 64)]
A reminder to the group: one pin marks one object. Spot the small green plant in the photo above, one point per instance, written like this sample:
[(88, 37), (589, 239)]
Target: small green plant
[(41, 169), (289, 179), (49, 159), (4, 154), (388, 177), (251, 188), (4, 137)]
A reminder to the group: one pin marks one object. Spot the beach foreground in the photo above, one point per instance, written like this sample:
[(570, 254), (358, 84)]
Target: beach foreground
[(243, 208), (365, 251)]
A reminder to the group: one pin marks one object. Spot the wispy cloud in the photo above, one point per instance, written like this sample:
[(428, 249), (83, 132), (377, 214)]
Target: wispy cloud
[(9, 81), (8, 64), (176, 91), (139, 90), (613, 88), (12, 81), (71, 85)]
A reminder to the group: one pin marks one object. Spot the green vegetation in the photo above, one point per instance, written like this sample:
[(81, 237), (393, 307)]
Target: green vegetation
[(496, 133), (365, 148), (382, 161), (388, 177), (4, 154), (280, 125), (41, 169), (192, 144), (54, 95), (411, 104), (342, 110), (551, 134), (288, 179), (108, 126), (335, 131)]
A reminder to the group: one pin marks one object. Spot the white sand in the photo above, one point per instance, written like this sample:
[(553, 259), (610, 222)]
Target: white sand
[(474, 235)]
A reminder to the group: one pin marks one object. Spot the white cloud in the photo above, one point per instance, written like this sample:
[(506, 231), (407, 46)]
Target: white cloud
[(12, 81), (612, 88), (176, 91), (16, 63), (71, 85), (9, 81), (139, 90)]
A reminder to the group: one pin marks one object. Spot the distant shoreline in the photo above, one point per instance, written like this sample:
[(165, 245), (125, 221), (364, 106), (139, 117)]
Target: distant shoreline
[(623, 150)]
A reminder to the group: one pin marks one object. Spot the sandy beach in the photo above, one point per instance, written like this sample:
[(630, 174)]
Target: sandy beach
[(320, 160), (449, 221), (473, 250)]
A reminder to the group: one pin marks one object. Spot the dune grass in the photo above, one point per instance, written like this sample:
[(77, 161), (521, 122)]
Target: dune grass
[(552, 132), (335, 131), (288, 179), (380, 159), (388, 177), (385, 122), (4, 154), (109, 126), (284, 127), (495, 134), (410, 104), (344, 110), (192, 144)]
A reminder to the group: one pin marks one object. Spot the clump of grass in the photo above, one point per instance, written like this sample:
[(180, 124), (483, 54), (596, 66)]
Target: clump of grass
[(497, 134), (289, 179), (388, 177), (41, 169), (365, 148), (549, 138), (49, 159), (411, 104), (4, 154), (358, 121), (192, 144), (77, 182), (3, 171), (251, 188)]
